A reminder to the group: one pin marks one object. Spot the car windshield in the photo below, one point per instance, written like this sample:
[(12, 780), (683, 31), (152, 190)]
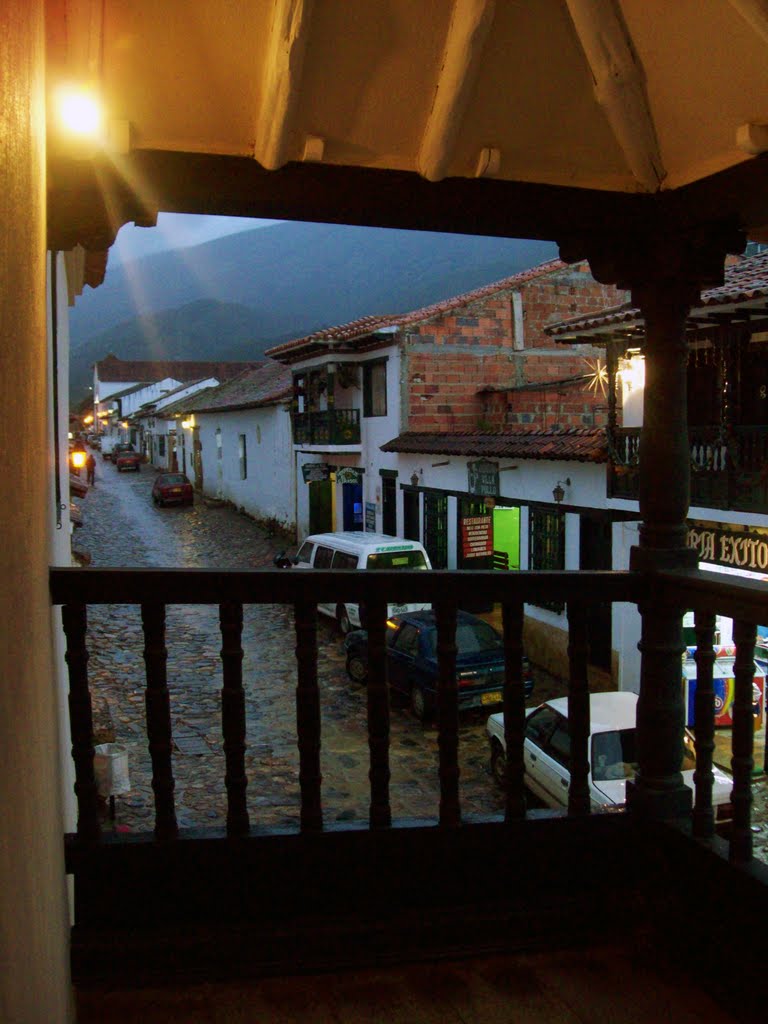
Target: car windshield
[(471, 638), (172, 478), (397, 560), (614, 755)]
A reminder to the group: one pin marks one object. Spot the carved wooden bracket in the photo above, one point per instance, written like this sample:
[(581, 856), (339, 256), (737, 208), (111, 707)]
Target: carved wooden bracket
[(658, 257)]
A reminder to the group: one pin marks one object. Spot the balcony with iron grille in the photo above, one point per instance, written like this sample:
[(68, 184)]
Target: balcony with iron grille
[(337, 428)]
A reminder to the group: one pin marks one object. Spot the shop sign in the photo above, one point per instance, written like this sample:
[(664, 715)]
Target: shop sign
[(721, 545), (483, 477), (477, 536), (315, 471), (370, 517), (348, 475)]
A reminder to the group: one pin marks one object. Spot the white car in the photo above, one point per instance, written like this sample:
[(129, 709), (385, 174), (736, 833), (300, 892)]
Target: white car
[(612, 753)]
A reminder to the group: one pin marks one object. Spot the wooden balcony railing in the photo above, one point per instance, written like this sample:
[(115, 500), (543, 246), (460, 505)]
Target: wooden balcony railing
[(728, 468), (252, 874), (328, 426)]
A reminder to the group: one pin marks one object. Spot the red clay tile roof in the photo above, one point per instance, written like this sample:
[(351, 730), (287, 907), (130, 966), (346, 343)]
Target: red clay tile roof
[(114, 370), (266, 385), (579, 444), (745, 282), (368, 325)]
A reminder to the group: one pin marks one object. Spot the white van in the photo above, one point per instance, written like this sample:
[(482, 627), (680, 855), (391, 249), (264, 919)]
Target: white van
[(351, 550)]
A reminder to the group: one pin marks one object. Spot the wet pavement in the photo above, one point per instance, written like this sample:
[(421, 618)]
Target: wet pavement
[(121, 527)]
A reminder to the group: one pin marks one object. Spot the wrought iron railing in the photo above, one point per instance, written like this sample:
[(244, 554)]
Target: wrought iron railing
[(328, 426), (728, 467)]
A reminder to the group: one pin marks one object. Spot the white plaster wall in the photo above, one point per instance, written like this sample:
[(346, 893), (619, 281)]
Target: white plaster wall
[(59, 523), (269, 490)]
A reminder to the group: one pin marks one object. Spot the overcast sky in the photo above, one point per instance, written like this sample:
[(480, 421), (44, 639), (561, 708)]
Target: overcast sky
[(176, 231)]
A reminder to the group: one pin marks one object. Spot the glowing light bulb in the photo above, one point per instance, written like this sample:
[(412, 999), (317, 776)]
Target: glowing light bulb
[(79, 111)]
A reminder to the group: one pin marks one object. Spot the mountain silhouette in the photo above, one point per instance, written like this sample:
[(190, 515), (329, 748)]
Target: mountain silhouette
[(233, 297)]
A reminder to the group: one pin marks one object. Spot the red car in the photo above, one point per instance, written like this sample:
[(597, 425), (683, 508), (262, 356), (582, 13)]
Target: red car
[(172, 489), (126, 458)]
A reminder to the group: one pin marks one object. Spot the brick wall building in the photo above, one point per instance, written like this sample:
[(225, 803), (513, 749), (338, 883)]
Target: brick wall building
[(495, 367)]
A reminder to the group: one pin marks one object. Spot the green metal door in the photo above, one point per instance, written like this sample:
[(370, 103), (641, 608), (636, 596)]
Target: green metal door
[(320, 506), (436, 529)]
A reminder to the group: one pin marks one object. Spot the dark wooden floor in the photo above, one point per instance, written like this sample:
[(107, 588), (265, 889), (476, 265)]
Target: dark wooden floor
[(603, 986)]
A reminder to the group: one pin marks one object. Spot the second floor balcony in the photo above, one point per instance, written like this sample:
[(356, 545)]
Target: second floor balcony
[(729, 468), (335, 427)]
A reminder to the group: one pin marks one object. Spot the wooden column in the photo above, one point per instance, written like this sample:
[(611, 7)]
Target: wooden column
[(659, 791), (665, 270)]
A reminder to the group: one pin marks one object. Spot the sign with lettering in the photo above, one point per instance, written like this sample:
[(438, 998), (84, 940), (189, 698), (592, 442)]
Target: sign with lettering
[(348, 475), (723, 545), (483, 477), (314, 471), (477, 536), (370, 517)]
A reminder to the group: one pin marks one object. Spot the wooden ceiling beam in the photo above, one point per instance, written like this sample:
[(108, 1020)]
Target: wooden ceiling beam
[(462, 57), (755, 13), (619, 83), (281, 80)]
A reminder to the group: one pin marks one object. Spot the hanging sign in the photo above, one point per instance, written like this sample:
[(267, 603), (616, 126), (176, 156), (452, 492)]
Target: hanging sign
[(314, 471), (349, 475), (370, 517), (477, 536), (719, 545), (483, 477)]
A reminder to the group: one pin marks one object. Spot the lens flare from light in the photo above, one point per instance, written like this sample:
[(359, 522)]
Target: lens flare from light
[(79, 111)]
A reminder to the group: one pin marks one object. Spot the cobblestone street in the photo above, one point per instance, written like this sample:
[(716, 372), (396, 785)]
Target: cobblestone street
[(123, 528)]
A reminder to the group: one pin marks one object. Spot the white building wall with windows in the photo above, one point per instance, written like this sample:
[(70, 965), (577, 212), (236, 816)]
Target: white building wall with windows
[(262, 483)]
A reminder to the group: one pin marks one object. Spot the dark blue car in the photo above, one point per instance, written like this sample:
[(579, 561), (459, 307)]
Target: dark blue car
[(412, 669)]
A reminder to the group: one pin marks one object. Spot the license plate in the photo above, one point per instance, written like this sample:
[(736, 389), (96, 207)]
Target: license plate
[(175, 490), (491, 698)]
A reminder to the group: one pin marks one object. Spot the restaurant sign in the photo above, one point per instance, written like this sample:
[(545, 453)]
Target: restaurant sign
[(483, 477), (721, 545), (477, 536)]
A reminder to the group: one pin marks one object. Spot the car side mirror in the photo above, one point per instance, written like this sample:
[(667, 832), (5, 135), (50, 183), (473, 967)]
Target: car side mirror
[(282, 561)]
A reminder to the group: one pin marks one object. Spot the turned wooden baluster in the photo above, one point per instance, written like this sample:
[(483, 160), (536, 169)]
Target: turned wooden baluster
[(447, 713), (378, 715), (704, 725), (74, 618), (308, 715), (744, 635), (578, 709), (233, 716), (159, 729), (514, 708)]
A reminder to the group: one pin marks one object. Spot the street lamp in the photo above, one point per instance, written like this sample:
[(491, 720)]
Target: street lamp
[(557, 491)]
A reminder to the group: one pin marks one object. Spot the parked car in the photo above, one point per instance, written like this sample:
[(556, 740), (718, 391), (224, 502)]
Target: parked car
[(350, 550), (611, 750), (412, 668), (172, 489), (124, 457)]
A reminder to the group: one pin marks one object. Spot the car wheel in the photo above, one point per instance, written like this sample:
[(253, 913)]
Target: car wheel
[(357, 668), (419, 705), (342, 617), (498, 764)]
